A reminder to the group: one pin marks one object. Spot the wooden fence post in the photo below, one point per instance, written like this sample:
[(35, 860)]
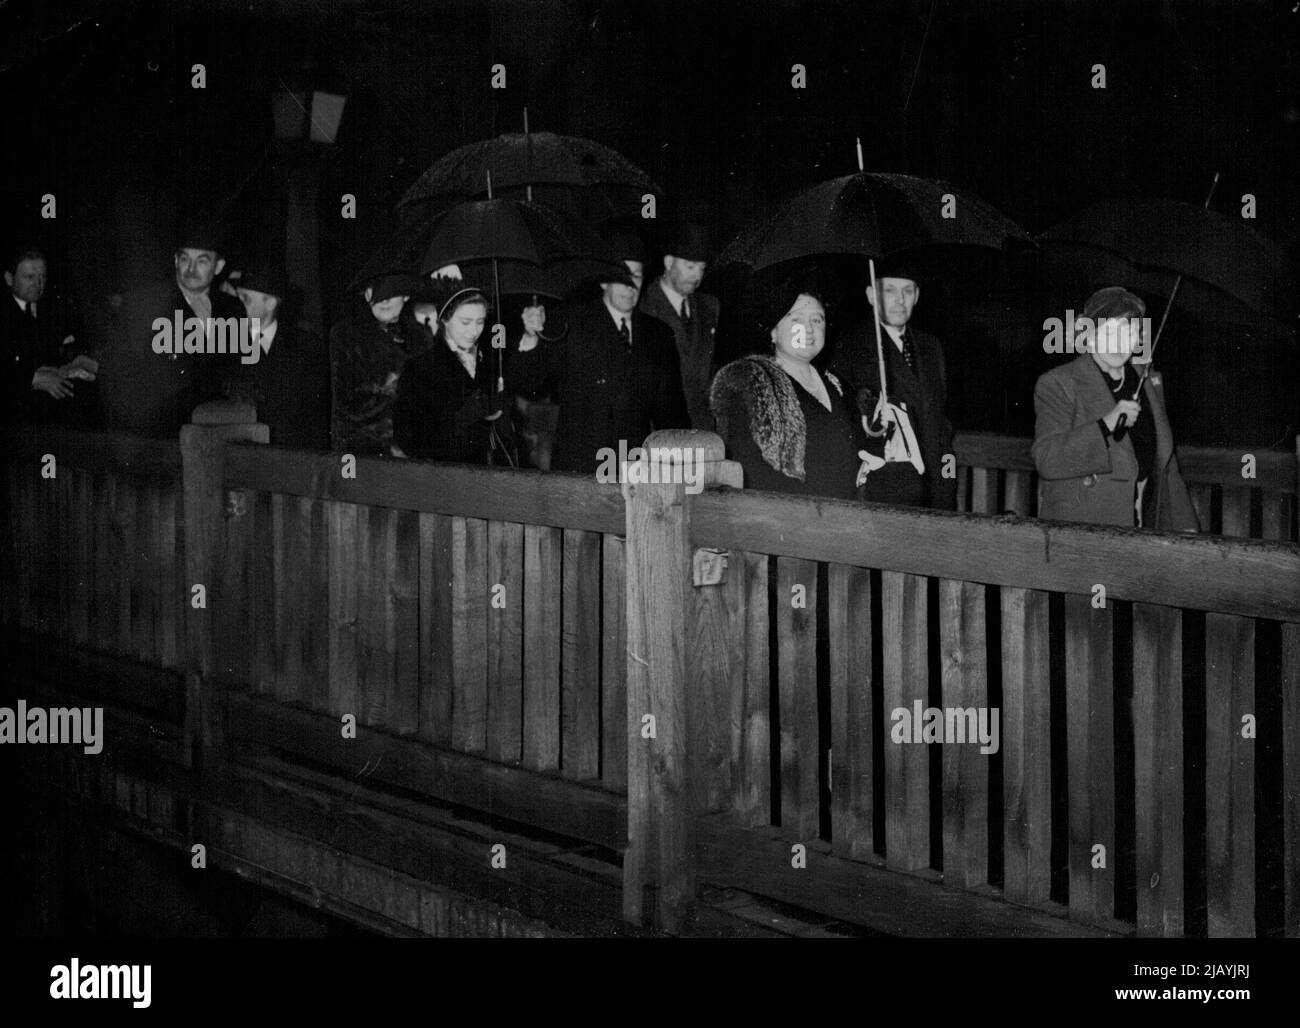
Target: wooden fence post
[(203, 451), (661, 836)]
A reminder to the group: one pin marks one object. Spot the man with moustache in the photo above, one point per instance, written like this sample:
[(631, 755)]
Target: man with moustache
[(149, 393), (674, 298), (915, 380), (615, 374)]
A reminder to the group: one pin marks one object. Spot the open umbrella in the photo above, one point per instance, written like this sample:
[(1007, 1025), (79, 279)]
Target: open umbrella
[(872, 215)]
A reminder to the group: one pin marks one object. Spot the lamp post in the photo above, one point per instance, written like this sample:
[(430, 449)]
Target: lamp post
[(306, 124)]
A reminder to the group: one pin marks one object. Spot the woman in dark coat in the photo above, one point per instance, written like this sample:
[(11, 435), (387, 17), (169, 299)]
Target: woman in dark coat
[(445, 408), (791, 427)]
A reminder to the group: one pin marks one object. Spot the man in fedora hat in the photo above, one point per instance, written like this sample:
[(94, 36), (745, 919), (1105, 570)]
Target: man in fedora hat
[(367, 354), (908, 443), (674, 298), (615, 374), (292, 375), (148, 392)]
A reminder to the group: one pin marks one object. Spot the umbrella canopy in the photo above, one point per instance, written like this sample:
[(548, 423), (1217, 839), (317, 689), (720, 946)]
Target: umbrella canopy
[(515, 230), (1150, 242), (527, 158), (874, 215)]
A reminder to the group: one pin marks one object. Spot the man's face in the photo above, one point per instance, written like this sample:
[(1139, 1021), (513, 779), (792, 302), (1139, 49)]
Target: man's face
[(195, 269), (684, 276), (259, 305), (27, 280), (899, 296), (623, 298)]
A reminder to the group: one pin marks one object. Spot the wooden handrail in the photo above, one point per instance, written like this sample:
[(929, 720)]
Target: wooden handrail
[(96, 451), (1246, 577)]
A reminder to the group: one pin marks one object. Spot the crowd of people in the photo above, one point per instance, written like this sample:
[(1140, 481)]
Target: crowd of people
[(412, 375)]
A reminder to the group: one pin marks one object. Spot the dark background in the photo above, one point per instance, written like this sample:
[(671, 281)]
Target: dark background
[(995, 97)]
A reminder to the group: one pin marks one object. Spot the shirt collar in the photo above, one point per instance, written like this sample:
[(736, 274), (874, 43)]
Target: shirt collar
[(268, 334), (617, 315), (22, 304), (674, 297), (896, 334)]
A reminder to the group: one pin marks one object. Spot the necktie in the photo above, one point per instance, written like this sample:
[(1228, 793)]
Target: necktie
[(31, 311), (686, 313), (625, 332), (908, 355)]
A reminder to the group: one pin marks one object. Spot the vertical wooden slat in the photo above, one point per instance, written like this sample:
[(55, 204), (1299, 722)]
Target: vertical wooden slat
[(316, 638), (262, 596), (505, 685), (376, 666), (1202, 502), (848, 603), (542, 590), (404, 697), (963, 480), (1158, 767), (128, 597), (60, 537), (166, 642), (145, 572), (751, 802), (343, 532), (964, 663), (1290, 664), (1019, 499), (1236, 511), (580, 657), (11, 585), (904, 632), (106, 585), (714, 673), (42, 559), (796, 620), (1275, 516), (1229, 775), (232, 616), (984, 490), (292, 516), (1090, 758), (613, 656), (1026, 747), (469, 634), (436, 668)]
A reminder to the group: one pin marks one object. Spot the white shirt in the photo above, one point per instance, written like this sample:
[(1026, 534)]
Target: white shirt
[(674, 297), (21, 303), (200, 303), (468, 358), (896, 334), (266, 336), (619, 317)]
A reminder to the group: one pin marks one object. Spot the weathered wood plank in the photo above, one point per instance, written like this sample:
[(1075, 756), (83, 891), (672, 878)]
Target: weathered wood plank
[(613, 676), (1158, 767), (128, 597), (1202, 497), (1090, 757), (109, 452), (168, 645), (542, 592), (469, 634), (1290, 664), (343, 533), (292, 519), (492, 494), (316, 634), (1250, 577), (848, 603), (1236, 511), (1020, 494), (404, 693), (146, 576), (751, 802), (796, 621), (231, 607), (505, 686), (983, 491), (904, 633), (964, 664), (1026, 748), (377, 664), (106, 583), (262, 596), (1229, 776), (580, 657), (715, 672), (436, 659)]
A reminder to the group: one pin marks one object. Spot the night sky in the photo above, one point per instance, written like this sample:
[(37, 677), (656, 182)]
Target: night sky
[(994, 97)]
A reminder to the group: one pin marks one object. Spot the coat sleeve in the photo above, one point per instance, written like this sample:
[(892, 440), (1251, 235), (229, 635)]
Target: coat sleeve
[(943, 490), (670, 402), (533, 374), (759, 474), (1061, 448)]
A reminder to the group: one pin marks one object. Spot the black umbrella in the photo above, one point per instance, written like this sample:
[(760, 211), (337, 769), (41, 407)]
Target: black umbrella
[(872, 215)]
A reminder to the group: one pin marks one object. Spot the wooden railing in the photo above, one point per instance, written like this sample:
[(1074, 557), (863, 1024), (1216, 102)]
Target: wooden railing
[(370, 590), (1247, 492)]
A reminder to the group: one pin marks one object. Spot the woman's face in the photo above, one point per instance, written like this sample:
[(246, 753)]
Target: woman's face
[(466, 324), (801, 334), (1115, 341)]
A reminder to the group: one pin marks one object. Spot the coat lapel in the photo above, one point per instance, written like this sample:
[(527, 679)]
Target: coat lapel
[(1097, 402)]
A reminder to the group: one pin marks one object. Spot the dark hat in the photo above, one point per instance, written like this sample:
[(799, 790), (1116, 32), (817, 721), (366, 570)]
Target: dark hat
[(264, 276), (689, 242), (201, 234), (899, 266), (625, 246), (774, 300), (388, 284), (1113, 302)]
